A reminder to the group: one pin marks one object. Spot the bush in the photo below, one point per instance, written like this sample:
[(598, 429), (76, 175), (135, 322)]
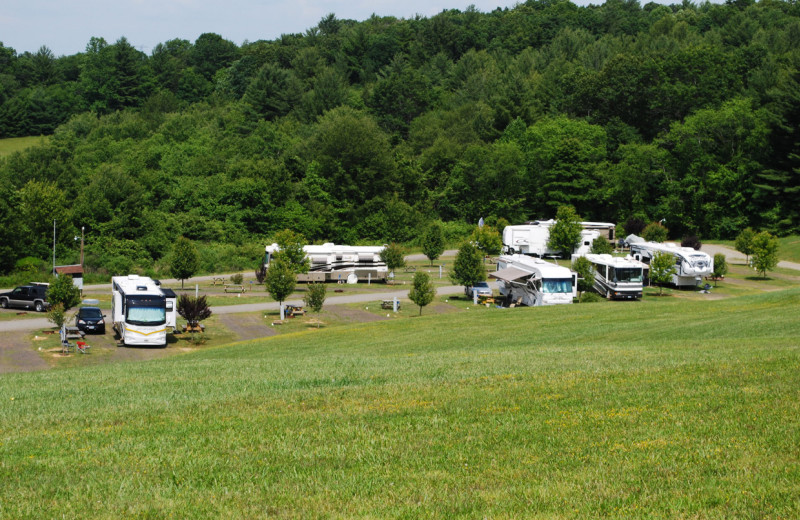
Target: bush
[(590, 297), (655, 232), (691, 241), (601, 246), (237, 278), (634, 226)]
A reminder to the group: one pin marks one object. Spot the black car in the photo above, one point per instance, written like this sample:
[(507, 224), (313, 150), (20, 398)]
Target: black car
[(90, 319), (31, 296)]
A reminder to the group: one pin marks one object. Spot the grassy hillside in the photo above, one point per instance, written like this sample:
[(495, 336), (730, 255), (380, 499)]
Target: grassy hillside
[(676, 409), (16, 144)]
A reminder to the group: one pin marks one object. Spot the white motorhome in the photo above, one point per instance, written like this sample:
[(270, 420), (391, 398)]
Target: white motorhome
[(617, 278), (339, 263), (531, 238), (533, 281), (690, 265), (141, 311)]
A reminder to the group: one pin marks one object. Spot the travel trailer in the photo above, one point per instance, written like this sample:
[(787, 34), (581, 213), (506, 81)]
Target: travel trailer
[(533, 281), (617, 278), (531, 238), (141, 311), (338, 263), (690, 265)]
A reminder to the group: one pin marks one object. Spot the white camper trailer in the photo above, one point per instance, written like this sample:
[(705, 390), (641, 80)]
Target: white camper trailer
[(533, 281), (617, 278), (141, 311), (531, 238), (339, 263), (690, 265)]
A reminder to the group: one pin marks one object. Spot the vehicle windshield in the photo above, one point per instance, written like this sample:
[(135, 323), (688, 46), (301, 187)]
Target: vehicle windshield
[(146, 310), (626, 274), (90, 313), (557, 285)]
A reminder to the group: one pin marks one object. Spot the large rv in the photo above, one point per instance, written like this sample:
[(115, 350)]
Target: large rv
[(690, 265), (533, 281), (617, 278), (141, 311), (531, 238), (338, 263)]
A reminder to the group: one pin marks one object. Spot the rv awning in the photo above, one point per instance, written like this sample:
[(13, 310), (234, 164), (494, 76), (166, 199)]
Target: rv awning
[(509, 274)]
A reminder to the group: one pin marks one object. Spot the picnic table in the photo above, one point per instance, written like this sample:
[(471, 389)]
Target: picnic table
[(389, 304), (236, 288), (217, 280), (294, 310)]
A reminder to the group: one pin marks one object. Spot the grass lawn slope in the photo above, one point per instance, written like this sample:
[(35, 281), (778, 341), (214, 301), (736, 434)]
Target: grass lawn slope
[(678, 409)]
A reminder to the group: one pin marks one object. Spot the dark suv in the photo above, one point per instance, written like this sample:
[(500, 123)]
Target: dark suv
[(32, 296), (90, 319)]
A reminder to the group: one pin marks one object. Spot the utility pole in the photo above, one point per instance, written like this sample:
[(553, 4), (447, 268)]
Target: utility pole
[(81, 246), (54, 246)]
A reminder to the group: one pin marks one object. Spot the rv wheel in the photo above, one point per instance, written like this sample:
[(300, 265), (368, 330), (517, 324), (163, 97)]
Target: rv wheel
[(511, 251)]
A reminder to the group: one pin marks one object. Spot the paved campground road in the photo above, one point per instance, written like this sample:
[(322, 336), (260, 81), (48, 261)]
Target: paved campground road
[(42, 323), (733, 255)]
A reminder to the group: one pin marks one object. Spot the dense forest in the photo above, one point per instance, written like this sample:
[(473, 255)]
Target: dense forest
[(366, 131)]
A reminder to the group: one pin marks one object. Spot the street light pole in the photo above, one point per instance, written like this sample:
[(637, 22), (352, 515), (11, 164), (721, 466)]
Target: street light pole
[(81, 246)]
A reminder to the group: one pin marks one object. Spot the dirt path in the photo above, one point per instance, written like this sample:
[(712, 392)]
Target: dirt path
[(247, 326), (18, 355)]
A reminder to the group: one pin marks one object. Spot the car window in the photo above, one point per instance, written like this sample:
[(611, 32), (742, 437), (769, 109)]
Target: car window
[(90, 313)]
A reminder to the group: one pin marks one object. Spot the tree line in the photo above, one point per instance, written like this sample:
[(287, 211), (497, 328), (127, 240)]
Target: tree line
[(368, 131)]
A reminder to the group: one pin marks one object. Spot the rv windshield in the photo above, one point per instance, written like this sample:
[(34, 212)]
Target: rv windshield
[(627, 274), (146, 310), (557, 285)]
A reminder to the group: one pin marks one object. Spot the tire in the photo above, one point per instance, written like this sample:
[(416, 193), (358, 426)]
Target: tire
[(4, 303), (39, 306)]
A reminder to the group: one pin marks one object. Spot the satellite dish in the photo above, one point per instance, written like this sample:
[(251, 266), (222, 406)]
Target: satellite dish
[(352, 278)]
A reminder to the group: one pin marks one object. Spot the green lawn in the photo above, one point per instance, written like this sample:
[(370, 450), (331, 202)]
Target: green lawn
[(789, 248), (16, 144), (671, 408)]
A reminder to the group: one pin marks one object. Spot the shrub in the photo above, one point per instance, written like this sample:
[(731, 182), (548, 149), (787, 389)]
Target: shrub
[(237, 278), (655, 232), (691, 241), (315, 296), (590, 297), (601, 246)]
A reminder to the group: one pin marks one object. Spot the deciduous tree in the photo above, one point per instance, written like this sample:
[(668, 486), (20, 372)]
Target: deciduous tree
[(185, 260), (468, 266), (565, 234), (765, 252), (662, 267), (433, 242), (422, 292)]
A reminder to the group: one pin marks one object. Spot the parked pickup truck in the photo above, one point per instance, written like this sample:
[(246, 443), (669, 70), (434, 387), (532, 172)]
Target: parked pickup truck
[(32, 296)]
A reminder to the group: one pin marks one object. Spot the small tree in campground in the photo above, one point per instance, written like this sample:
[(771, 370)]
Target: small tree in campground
[(291, 247), (468, 266), (744, 243), (765, 253), (720, 267), (393, 256), (585, 271), (261, 273), (56, 315), (662, 267), (315, 296), (185, 260), (565, 234), (487, 240), (655, 232), (63, 291), (280, 280), (433, 242), (423, 292), (193, 310), (601, 246)]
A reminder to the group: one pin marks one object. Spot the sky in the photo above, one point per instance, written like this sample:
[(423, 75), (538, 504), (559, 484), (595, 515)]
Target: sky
[(66, 27)]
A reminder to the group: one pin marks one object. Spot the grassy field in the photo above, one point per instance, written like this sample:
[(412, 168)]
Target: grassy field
[(789, 248), (16, 144), (672, 408)]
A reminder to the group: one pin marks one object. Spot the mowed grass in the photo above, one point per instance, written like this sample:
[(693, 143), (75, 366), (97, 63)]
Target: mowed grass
[(673, 409), (17, 144)]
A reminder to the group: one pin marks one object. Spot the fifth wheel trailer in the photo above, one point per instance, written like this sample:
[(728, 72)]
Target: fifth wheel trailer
[(339, 263), (690, 265), (531, 238)]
